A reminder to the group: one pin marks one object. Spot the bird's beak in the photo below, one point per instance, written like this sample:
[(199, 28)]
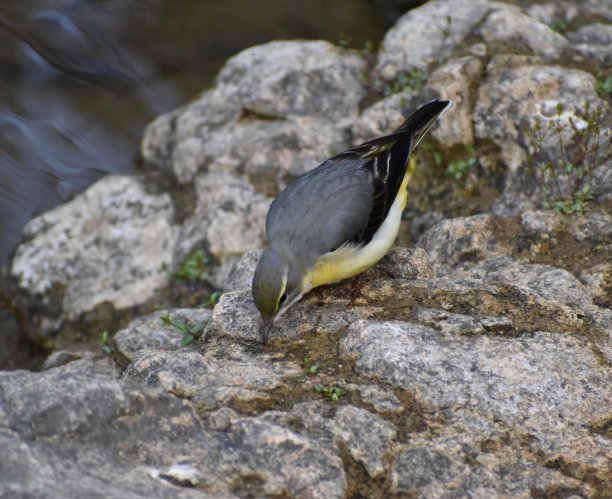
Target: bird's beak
[(265, 330)]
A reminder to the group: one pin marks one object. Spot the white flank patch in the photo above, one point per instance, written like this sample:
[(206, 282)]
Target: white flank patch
[(349, 261)]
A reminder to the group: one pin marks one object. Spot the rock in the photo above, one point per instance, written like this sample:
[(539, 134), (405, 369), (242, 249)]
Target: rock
[(456, 324), (476, 364), (508, 30), (454, 81), (282, 79), (459, 462), (384, 116), (268, 152), (593, 42), (382, 400), (236, 315), (424, 36), (597, 281), (366, 436), (402, 263), (63, 357), (540, 222), (151, 333), (283, 462), (602, 184), (516, 88), (240, 377), (228, 220), (571, 12), (107, 246), (527, 92), (462, 239), (276, 110), (241, 274), (77, 422), (551, 283), (548, 386), (60, 401), (571, 242)]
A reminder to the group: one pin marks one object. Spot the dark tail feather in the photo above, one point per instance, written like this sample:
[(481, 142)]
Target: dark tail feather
[(419, 122), (416, 126)]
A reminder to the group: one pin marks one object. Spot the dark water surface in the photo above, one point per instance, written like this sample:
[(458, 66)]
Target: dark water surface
[(79, 79)]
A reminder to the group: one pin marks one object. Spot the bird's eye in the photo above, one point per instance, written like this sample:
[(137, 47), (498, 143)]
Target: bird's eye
[(282, 300)]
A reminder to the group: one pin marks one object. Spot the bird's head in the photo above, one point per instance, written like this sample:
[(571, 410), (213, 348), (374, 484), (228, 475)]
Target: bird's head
[(277, 285)]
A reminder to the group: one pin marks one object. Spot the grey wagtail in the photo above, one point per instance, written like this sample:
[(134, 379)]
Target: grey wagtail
[(339, 219)]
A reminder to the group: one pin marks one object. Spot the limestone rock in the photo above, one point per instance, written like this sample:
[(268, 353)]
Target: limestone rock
[(228, 220), (388, 113), (240, 377), (424, 35), (522, 91), (276, 109), (76, 422), (517, 93), (571, 12), (461, 239), (549, 282), (454, 81), (598, 283), (382, 400), (150, 333), (236, 315), (242, 272), (512, 31), (286, 462), (366, 436), (310, 78), (477, 364), (107, 245), (593, 42), (532, 386)]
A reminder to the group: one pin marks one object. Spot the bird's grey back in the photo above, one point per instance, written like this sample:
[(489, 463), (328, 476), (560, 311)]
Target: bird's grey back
[(322, 209)]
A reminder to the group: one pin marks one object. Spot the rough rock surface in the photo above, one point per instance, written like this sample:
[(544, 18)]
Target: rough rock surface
[(274, 109), (475, 364), (106, 246)]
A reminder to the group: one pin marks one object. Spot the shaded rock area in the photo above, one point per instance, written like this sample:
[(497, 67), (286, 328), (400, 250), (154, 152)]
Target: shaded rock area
[(474, 362)]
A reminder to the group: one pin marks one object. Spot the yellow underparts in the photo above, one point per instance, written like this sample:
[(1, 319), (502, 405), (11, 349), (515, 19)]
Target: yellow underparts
[(348, 261)]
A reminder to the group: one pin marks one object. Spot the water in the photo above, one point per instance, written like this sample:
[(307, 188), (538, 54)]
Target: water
[(80, 79)]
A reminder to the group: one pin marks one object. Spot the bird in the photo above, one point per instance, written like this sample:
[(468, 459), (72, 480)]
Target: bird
[(339, 219)]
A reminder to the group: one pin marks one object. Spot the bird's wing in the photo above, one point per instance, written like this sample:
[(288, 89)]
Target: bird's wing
[(347, 198), (323, 209), (387, 162)]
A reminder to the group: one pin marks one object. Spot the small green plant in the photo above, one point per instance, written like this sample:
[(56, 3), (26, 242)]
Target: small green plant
[(105, 344), (329, 393), (559, 25), (458, 169), (193, 268), (310, 367), (412, 80), (190, 332), (212, 299), (564, 173), (604, 84), (346, 41)]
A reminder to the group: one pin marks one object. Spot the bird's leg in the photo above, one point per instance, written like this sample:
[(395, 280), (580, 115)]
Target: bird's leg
[(356, 289)]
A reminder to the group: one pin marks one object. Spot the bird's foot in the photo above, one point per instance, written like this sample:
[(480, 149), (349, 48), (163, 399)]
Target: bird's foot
[(356, 289)]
